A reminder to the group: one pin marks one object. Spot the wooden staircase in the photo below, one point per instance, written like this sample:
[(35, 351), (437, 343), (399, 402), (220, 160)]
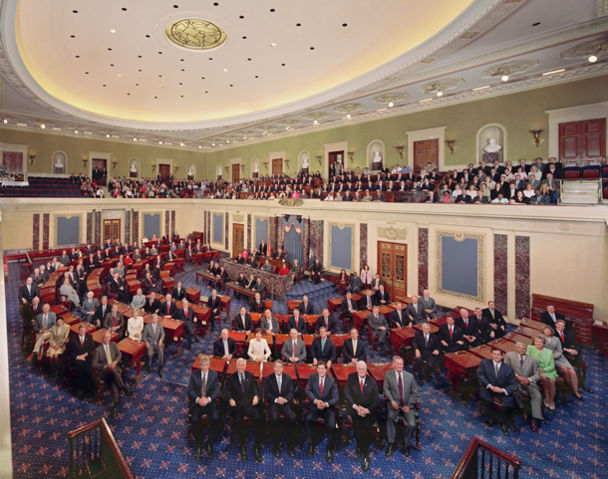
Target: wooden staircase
[(481, 460)]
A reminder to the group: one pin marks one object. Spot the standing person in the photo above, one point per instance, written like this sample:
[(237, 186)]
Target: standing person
[(401, 393), (154, 337), (361, 393), (278, 393), (203, 390)]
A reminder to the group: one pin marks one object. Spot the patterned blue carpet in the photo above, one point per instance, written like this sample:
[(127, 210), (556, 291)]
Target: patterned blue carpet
[(151, 426)]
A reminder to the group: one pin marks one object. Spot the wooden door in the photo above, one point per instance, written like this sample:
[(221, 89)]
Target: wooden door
[(111, 230), (392, 266), (236, 172), (277, 166), (238, 239), (164, 170), (582, 140), (335, 162), (425, 152)]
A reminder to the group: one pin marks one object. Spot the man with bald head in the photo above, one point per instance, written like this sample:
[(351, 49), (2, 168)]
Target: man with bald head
[(361, 394)]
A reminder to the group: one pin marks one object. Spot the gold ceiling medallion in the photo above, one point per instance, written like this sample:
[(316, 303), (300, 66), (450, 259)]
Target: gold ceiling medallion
[(196, 34)]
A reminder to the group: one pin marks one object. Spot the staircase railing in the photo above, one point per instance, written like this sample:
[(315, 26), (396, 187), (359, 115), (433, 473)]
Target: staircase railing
[(481, 460), (95, 453)]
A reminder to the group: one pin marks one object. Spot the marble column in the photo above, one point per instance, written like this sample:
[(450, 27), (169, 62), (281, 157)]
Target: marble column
[(249, 232), (522, 276), (226, 229), (172, 223), (306, 242), (500, 272), (127, 226), (98, 227), (36, 231), (89, 227), (136, 226), (272, 233), (362, 245), (423, 259), (167, 223), (316, 235), (45, 231)]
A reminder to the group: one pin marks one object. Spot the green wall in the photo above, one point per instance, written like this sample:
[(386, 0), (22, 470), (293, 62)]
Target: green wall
[(517, 112)]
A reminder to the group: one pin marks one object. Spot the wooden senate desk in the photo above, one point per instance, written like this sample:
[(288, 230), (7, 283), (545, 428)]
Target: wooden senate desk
[(484, 351), (333, 304), (460, 365), (98, 336), (289, 369), (401, 337), (341, 372), (378, 371), (238, 289), (503, 344), (215, 364), (253, 367), (276, 285), (514, 336), (205, 276), (134, 350), (174, 328), (90, 328)]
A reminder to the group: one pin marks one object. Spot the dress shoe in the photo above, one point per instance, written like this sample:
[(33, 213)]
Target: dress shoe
[(277, 452), (579, 397), (148, 369), (291, 451), (196, 340), (587, 389), (420, 382), (365, 463), (243, 453), (257, 453), (389, 450), (329, 456), (197, 453), (128, 392), (179, 351), (113, 411), (357, 452), (505, 429), (490, 422), (210, 450), (534, 425), (311, 451), (160, 374)]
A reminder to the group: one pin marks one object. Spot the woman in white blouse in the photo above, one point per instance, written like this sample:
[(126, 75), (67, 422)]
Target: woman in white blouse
[(258, 347), (135, 326)]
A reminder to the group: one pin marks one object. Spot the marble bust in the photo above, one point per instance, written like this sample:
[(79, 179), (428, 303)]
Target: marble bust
[(492, 146), (133, 167), (305, 160), (190, 171), (377, 157)]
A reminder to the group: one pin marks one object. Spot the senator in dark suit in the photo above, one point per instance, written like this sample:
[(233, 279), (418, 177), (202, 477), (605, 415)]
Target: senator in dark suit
[(80, 352), (152, 304), (353, 348), (28, 291), (278, 394), (495, 322), (470, 328), (398, 318), (168, 308), (550, 317), (203, 391), (188, 317), (348, 306), (322, 392), (326, 321), (243, 322), (224, 347), (361, 394), (498, 384), (427, 349), (214, 303), (297, 322), (415, 312), (243, 400), (450, 336), (323, 349), (306, 307), (106, 358)]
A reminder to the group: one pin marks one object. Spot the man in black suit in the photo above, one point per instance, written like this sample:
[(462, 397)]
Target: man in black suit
[(278, 393), (316, 270), (179, 292), (224, 347), (550, 317), (398, 318), (102, 310), (470, 328), (80, 351), (243, 400), (367, 301), (450, 336), (168, 308), (361, 394), (493, 319), (322, 392), (297, 322), (572, 351), (326, 321), (498, 383), (305, 306), (189, 318), (348, 306), (203, 390), (382, 296), (257, 305), (152, 304), (242, 322), (214, 303), (28, 291), (323, 349), (426, 350), (354, 349)]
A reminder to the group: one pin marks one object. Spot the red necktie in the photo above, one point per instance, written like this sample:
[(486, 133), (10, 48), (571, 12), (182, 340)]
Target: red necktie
[(466, 323), (113, 320), (168, 308), (327, 323), (294, 348), (321, 388), (361, 382), (561, 333), (451, 331)]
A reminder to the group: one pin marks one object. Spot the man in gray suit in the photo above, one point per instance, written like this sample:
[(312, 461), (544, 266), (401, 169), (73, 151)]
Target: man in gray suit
[(68, 293), (154, 337), (88, 308), (401, 392), (294, 350), (428, 304), (269, 323), (379, 327), (527, 375), (114, 321), (106, 358), (415, 312), (44, 322)]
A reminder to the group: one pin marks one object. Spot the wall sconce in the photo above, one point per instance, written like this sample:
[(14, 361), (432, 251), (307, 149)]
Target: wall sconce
[(32, 158), (85, 162), (265, 165), (287, 163), (153, 167), (450, 144), (351, 155), (536, 136), (242, 167), (114, 163), (400, 150), (319, 158), (176, 168)]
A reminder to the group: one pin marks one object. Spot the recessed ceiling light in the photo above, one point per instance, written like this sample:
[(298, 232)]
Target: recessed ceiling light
[(312, 48), (5, 121), (272, 10), (109, 49), (182, 144), (348, 117), (592, 59), (175, 6), (124, 9), (485, 87), (112, 30), (391, 104), (273, 44), (225, 69), (316, 122), (425, 100), (74, 11), (244, 138), (287, 128), (119, 75), (227, 141), (439, 93), (107, 135), (553, 72), (201, 146), (134, 139), (212, 144), (43, 126), (298, 24), (536, 24), (241, 16), (75, 132), (504, 78), (160, 142), (345, 24)]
